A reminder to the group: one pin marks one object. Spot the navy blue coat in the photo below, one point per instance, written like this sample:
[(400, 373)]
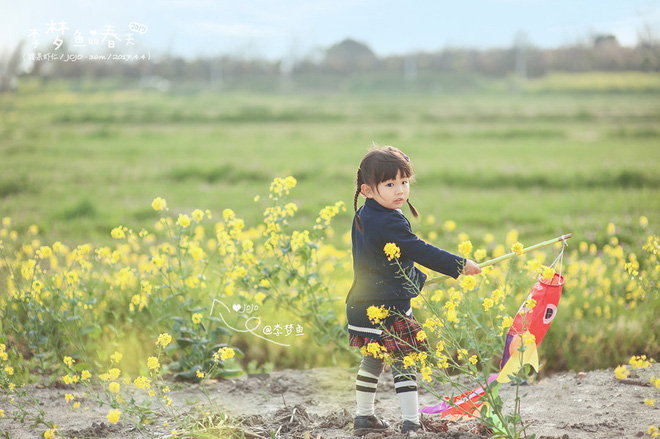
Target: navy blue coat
[(378, 281)]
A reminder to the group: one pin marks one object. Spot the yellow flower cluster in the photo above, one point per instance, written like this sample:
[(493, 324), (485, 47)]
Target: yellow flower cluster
[(465, 248), (621, 372), (392, 251), (159, 204), (375, 350), (517, 248), (281, 186), (639, 362), (328, 213), (223, 354), (113, 416), (142, 382), (377, 314), (468, 283), (153, 363)]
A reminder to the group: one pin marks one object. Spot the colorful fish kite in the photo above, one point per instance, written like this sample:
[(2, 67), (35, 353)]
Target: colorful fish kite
[(529, 327)]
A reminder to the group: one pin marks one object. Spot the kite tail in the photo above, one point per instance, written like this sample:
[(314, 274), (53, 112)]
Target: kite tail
[(462, 406)]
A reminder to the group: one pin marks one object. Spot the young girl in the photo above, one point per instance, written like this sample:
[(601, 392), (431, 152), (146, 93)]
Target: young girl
[(384, 179)]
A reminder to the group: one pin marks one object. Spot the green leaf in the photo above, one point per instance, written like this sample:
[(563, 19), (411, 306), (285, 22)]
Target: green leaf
[(184, 342)]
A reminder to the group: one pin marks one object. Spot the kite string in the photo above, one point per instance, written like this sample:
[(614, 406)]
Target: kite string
[(560, 257)]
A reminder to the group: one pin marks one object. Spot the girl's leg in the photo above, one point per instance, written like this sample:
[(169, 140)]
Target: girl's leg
[(405, 384), (365, 384)]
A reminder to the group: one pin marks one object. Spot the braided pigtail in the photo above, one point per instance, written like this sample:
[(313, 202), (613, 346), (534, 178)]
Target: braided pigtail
[(356, 219), (412, 209)]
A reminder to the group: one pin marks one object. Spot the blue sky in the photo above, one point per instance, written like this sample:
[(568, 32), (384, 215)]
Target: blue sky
[(296, 28)]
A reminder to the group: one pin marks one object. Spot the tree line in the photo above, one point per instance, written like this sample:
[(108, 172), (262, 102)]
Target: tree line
[(350, 59)]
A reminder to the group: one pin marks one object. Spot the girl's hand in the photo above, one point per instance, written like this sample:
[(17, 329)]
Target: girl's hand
[(471, 268)]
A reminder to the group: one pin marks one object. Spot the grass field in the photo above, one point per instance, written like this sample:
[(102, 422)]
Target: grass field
[(79, 164)]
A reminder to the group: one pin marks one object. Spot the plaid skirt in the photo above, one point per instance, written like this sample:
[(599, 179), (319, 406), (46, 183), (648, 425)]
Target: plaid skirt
[(399, 337)]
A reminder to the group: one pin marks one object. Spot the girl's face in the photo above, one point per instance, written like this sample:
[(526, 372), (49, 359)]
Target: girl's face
[(391, 194)]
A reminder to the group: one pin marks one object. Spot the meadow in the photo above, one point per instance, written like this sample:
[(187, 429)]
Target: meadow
[(127, 214), (77, 164)]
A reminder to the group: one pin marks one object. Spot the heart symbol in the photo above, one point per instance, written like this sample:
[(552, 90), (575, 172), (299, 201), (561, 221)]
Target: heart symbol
[(236, 307)]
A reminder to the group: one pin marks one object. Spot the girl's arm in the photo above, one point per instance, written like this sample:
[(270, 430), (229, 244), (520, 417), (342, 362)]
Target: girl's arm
[(426, 254)]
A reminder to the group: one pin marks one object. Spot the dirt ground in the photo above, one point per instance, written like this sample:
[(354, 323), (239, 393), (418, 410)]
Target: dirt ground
[(320, 403)]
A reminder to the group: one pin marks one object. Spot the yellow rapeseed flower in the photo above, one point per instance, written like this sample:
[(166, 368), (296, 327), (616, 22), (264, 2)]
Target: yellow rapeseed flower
[(142, 382), (639, 362), (183, 220), (421, 336), (409, 361), (223, 354), (488, 303), (473, 359), (653, 431), (643, 222), (480, 254), (611, 229), (113, 416), (517, 248), (9, 370), (449, 226), (116, 357), (192, 282), (506, 322), (465, 248), (228, 215), (259, 298), (158, 260), (152, 363), (468, 283), (621, 372), (44, 252), (547, 273), (197, 215), (118, 233), (392, 251), (50, 433), (196, 318), (159, 204), (199, 374), (197, 253), (68, 397), (113, 387), (85, 375), (68, 361), (375, 350), (649, 402), (426, 373), (114, 373), (376, 315), (656, 382)]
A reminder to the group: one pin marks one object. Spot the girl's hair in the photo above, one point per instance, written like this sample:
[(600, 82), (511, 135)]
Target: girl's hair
[(379, 165)]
